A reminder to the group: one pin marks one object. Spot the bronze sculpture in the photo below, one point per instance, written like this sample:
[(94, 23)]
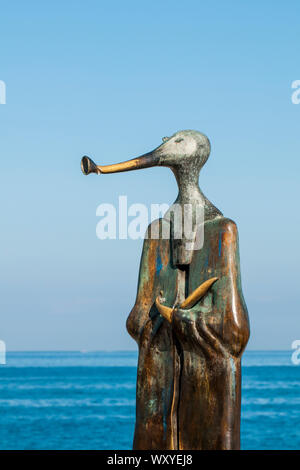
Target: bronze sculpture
[(189, 319)]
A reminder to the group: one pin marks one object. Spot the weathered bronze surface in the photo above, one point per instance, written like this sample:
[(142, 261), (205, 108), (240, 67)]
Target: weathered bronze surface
[(189, 319)]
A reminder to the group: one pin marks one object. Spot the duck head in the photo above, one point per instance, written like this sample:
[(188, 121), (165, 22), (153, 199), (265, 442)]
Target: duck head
[(183, 150), (185, 153)]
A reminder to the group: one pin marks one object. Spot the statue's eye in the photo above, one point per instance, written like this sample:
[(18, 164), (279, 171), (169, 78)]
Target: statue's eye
[(179, 140)]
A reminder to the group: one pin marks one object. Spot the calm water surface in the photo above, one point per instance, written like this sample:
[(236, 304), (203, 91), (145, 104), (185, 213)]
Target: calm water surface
[(74, 400)]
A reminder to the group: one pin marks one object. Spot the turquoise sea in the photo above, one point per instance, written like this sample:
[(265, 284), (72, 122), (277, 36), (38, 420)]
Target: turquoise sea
[(86, 400)]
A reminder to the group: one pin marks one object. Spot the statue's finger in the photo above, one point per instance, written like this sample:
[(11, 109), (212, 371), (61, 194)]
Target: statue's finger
[(166, 312), (198, 293)]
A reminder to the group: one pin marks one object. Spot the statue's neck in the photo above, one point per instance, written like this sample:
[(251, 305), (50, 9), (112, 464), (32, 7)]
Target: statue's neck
[(187, 178), (188, 186), (190, 194)]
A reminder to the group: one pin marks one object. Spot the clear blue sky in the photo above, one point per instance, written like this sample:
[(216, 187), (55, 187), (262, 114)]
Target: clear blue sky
[(109, 79)]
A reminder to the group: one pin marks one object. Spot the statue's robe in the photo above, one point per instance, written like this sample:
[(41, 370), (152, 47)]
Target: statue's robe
[(189, 371)]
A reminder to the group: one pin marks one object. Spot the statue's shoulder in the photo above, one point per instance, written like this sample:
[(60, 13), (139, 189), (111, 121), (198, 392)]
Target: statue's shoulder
[(156, 228), (222, 224)]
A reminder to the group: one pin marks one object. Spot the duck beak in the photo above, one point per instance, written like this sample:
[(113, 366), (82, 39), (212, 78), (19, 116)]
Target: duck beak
[(145, 161)]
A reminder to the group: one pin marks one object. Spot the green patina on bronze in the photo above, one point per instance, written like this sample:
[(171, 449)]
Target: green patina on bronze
[(189, 371)]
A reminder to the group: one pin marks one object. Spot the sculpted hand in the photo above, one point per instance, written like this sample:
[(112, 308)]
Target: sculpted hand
[(189, 302), (196, 324), (196, 328)]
